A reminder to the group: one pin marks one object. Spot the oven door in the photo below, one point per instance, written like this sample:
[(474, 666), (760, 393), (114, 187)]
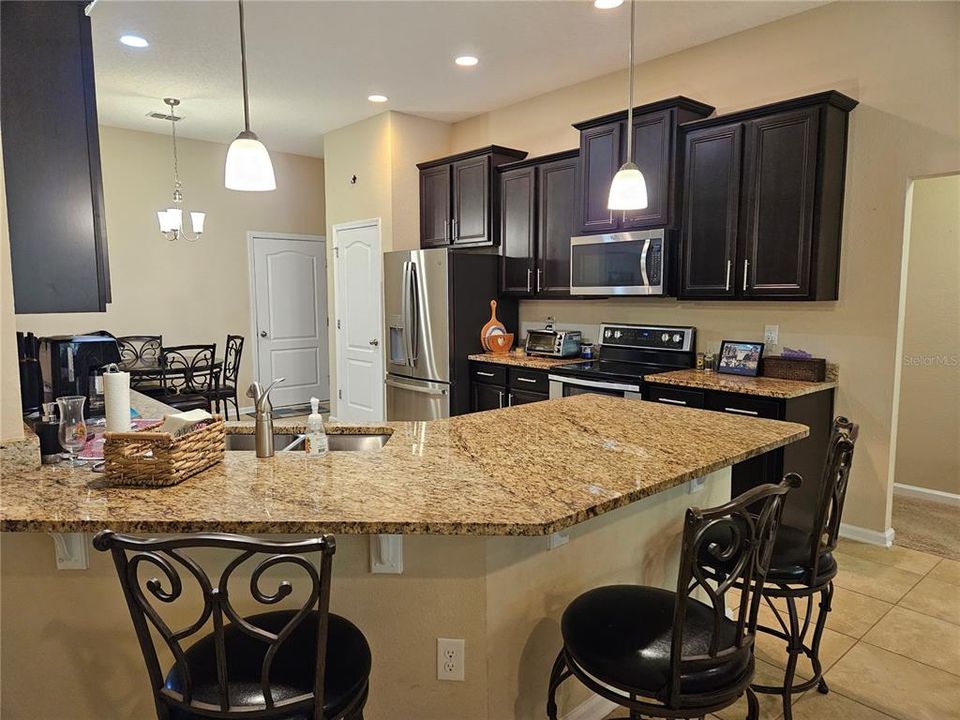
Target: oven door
[(561, 386), (618, 264)]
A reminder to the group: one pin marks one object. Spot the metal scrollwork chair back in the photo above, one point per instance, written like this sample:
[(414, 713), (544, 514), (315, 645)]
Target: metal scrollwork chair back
[(140, 350), (172, 558), (231, 360), (833, 492), (739, 535), (188, 368)]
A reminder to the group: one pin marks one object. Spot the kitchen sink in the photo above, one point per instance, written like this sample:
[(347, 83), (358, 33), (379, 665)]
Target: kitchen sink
[(291, 441)]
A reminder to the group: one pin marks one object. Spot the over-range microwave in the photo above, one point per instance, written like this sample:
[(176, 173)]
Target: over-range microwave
[(627, 263)]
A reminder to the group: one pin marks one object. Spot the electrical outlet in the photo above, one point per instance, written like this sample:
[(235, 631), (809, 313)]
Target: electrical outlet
[(771, 334), (450, 657)]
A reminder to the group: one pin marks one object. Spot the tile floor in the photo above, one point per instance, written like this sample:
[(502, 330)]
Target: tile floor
[(891, 649)]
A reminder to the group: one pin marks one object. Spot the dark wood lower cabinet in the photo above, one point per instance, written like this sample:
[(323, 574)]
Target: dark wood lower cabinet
[(494, 386), (805, 457)]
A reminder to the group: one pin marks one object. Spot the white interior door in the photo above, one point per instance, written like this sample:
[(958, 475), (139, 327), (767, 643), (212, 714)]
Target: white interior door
[(358, 279), (290, 291)]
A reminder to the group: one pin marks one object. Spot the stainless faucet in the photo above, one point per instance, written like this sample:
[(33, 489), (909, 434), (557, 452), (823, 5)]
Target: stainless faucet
[(264, 426)]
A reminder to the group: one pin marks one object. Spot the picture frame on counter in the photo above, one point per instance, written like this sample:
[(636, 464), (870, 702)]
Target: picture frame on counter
[(738, 357)]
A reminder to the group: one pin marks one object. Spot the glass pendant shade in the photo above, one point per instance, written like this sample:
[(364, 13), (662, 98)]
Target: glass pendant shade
[(196, 220), (628, 191), (248, 165), (170, 219)]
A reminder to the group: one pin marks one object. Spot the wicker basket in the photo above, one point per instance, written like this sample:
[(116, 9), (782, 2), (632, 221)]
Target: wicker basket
[(809, 369), (148, 458)]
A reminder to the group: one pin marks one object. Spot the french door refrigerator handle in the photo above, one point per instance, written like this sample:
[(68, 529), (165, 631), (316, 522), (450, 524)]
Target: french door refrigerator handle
[(415, 388), (415, 312), (405, 312)]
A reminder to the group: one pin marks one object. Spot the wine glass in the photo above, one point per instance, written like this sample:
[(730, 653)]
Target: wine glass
[(73, 430)]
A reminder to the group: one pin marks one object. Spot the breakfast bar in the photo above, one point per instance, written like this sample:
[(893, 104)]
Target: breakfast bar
[(504, 516)]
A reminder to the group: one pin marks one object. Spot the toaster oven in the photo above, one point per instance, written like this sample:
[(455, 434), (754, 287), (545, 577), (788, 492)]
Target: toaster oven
[(554, 343)]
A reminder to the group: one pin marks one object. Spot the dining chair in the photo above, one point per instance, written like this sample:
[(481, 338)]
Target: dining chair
[(299, 663), (188, 376), (803, 567), (141, 351), (227, 391), (670, 654)]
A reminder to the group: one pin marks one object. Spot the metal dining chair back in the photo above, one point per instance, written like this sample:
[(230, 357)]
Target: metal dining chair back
[(140, 350), (188, 369)]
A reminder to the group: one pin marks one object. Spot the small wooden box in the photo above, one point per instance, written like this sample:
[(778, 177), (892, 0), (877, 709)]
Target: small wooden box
[(808, 369)]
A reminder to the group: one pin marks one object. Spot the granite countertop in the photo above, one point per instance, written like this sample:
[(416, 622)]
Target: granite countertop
[(534, 362), (491, 473), (763, 386)]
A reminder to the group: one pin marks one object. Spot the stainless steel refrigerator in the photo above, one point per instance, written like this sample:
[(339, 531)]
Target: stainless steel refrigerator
[(436, 302)]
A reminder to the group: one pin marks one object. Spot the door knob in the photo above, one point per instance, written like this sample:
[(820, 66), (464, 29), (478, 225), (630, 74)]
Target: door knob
[(263, 333), (375, 342)]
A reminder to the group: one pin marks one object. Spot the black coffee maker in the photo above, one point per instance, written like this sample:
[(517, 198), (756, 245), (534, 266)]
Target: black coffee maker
[(73, 365)]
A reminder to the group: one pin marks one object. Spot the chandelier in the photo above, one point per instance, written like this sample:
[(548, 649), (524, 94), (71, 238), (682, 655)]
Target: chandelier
[(171, 219)]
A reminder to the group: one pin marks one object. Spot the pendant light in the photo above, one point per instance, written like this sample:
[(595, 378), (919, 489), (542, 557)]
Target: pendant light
[(171, 219), (248, 162), (628, 191)]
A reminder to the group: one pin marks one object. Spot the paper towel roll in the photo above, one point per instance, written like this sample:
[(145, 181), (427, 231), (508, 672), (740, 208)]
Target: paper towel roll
[(116, 400)]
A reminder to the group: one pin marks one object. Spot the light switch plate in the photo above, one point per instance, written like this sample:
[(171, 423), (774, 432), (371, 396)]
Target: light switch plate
[(771, 334)]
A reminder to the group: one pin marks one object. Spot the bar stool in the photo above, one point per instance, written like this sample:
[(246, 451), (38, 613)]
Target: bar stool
[(667, 654), (803, 567), (296, 664)]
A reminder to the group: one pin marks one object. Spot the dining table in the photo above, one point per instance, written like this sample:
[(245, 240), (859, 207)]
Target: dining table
[(145, 374)]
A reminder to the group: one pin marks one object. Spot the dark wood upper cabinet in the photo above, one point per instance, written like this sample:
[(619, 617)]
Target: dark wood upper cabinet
[(51, 156), (435, 206), (653, 152), (711, 204), (458, 202), (780, 170), (556, 219), (537, 219), (471, 201), (517, 230), (599, 162), (781, 197), (603, 147)]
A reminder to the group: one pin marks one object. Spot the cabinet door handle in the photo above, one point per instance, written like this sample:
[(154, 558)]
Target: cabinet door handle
[(672, 402), (738, 411), (454, 229), (529, 275), (746, 265), (729, 268), (500, 393), (481, 373), (539, 278), (509, 399), (526, 380)]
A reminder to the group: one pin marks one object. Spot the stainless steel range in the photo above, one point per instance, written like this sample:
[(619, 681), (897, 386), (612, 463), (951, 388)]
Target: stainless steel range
[(628, 353)]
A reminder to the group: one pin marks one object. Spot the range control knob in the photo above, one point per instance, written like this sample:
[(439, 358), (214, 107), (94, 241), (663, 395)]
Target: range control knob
[(617, 334), (676, 338), (665, 337), (607, 333)]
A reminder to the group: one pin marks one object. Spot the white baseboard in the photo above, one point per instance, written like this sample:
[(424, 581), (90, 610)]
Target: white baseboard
[(871, 537), (922, 493), (595, 708)]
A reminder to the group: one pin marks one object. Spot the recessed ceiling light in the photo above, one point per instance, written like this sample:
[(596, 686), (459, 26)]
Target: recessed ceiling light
[(466, 61), (377, 98), (607, 4), (134, 41)]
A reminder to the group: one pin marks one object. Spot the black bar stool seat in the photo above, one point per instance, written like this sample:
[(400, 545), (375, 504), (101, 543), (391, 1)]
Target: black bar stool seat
[(292, 672), (607, 636)]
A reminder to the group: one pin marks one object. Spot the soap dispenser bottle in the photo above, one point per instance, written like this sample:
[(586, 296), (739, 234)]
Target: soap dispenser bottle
[(315, 443)]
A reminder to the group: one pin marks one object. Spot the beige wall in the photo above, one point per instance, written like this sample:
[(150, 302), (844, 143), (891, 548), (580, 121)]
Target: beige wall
[(11, 423), (188, 292), (382, 152), (900, 60), (928, 434)]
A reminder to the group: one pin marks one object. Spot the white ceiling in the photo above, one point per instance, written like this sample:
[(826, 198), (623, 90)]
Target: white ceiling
[(312, 64)]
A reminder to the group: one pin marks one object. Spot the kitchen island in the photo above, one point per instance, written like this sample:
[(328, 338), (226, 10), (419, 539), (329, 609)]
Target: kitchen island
[(605, 479)]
